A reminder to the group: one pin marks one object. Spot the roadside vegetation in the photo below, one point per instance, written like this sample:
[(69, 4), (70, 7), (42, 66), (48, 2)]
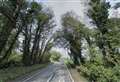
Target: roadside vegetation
[(69, 63), (95, 52), (55, 56), (26, 37)]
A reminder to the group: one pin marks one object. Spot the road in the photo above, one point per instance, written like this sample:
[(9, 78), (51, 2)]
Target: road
[(56, 72)]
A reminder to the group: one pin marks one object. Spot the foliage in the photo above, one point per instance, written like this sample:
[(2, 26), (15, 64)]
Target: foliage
[(103, 42), (73, 33), (96, 71), (27, 26), (13, 61), (55, 56), (38, 31), (46, 58), (100, 73), (11, 27), (69, 63), (15, 56)]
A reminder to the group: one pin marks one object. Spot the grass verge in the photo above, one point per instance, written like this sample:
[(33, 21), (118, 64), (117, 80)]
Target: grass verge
[(14, 72)]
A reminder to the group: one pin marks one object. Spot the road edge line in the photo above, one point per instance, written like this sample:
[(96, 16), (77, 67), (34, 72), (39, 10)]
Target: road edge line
[(50, 78), (31, 77), (69, 73)]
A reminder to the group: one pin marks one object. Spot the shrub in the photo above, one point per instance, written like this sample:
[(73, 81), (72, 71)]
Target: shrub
[(99, 73), (55, 56), (13, 60), (69, 62), (96, 71), (15, 57)]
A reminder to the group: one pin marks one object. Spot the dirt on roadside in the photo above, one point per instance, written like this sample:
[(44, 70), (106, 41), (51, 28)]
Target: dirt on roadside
[(76, 76)]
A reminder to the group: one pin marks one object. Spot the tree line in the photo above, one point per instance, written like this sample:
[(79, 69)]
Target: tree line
[(27, 27), (101, 63)]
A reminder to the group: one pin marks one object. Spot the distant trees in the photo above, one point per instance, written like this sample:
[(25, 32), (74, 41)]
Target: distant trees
[(27, 21)]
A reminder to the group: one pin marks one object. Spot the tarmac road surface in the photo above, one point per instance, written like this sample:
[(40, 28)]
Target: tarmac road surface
[(56, 72)]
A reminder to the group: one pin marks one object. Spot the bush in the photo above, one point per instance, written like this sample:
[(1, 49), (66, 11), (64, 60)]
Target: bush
[(55, 56), (69, 62), (99, 73), (96, 71), (11, 63), (13, 60), (15, 57)]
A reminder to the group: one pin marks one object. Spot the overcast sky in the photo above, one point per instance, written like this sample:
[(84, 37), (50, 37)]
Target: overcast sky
[(60, 7)]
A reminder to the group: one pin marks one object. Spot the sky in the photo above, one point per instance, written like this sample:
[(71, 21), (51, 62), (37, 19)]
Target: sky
[(113, 12), (60, 7), (113, 1)]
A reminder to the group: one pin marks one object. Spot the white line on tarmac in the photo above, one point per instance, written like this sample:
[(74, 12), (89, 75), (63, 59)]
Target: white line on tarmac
[(69, 73), (50, 78), (31, 77)]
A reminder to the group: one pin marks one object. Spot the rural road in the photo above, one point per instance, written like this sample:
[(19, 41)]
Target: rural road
[(56, 72)]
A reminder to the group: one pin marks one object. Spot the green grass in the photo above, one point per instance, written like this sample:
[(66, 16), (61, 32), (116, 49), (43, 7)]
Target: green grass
[(14, 72)]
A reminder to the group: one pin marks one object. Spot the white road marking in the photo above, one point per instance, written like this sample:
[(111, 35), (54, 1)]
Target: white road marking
[(59, 80), (31, 77), (69, 73), (52, 75), (63, 80), (34, 76), (50, 78)]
